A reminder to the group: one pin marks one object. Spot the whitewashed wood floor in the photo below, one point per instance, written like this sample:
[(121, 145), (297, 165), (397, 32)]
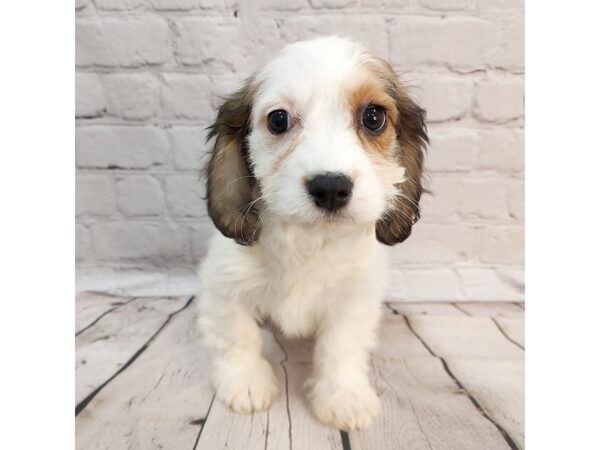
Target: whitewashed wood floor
[(450, 376)]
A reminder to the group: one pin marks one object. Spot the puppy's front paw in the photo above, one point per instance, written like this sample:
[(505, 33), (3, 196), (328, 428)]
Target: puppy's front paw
[(341, 406), (247, 386)]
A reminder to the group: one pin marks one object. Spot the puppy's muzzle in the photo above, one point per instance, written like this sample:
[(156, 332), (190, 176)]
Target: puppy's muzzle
[(330, 191)]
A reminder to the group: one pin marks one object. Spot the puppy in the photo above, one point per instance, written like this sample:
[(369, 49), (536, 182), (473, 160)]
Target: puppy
[(317, 162)]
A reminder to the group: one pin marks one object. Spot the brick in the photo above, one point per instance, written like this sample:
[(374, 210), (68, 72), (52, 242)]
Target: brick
[(432, 285), (397, 286), (122, 42), (182, 281), (284, 5), (484, 199), (446, 98), (139, 195), (442, 205), (189, 147), (94, 195), (333, 4), (450, 5), (502, 150), (188, 96), (83, 244), (81, 4), (100, 279), (119, 4), (133, 96), (501, 244), (385, 3), (223, 86), (516, 199), (201, 234), (492, 284), (357, 27), (495, 8), (89, 96), (139, 241), (510, 52), (174, 5), (121, 147), (202, 40), (452, 150), (224, 45), (464, 149), (462, 43), (431, 243), (184, 195), (217, 4), (500, 100)]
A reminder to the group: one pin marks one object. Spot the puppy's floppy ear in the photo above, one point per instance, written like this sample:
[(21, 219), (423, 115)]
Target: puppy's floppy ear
[(231, 187), (411, 133)]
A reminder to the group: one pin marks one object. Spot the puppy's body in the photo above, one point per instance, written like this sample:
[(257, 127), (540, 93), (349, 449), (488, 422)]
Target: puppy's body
[(303, 213), (308, 282), (299, 275)]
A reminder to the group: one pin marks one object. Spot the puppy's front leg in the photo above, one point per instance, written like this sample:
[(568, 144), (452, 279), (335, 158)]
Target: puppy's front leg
[(339, 389), (242, 378)]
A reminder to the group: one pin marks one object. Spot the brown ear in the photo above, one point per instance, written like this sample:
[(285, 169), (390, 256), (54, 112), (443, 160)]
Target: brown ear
[(411, 133), (231, 188)]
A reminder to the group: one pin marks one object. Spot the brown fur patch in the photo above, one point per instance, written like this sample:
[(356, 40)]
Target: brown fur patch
[(407, 126), (370, 91), (231, 188)]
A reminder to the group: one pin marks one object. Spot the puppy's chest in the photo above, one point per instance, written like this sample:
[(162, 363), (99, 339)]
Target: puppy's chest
[(300, 292)]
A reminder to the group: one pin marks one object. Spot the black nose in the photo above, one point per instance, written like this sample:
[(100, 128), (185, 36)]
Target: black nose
[(330, 191)]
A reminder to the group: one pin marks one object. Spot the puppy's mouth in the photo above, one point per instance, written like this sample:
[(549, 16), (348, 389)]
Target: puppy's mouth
[(332, 217)]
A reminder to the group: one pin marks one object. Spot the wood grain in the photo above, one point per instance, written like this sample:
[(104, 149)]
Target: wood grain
[(498, 385), (422, 308), (423, 408), (160, 401), (447, 380), (91, 306), (491, 309), (513, 328), (102, 349), (464, 336)]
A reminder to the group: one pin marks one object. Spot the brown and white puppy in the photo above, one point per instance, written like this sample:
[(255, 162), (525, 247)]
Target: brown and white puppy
[(317, 161)]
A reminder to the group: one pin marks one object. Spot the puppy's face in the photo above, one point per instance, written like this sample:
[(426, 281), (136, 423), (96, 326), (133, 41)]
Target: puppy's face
[(324, 133)]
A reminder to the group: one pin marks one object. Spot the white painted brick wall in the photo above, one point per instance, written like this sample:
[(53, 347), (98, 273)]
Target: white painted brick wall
[(149, 77)]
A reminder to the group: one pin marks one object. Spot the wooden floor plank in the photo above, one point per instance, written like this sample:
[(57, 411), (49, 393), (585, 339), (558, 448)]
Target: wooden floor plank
[(90, 306), (164, 398), (485, 362), (499, 386), (418, 308), (477, 337), (423, 409), (102, 349), (514, 329), (396, 339), (272, 429), (492, 309), (160, 401)]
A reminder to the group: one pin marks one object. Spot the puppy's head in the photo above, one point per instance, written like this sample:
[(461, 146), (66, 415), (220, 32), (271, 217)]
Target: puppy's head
[(324, 133)]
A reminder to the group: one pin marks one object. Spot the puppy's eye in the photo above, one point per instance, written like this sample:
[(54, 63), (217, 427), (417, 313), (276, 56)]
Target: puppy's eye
[(374, 118), (278, 121)]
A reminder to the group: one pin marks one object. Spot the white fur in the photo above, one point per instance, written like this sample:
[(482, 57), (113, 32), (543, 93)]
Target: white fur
[(309, 276)]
